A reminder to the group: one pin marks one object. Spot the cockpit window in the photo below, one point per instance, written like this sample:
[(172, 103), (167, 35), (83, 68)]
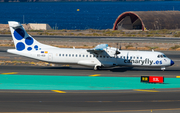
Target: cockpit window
[(164, 55), (161, 56)]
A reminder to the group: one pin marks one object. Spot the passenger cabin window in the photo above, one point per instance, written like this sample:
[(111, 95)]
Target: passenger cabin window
[(140, 57), (59, 54)]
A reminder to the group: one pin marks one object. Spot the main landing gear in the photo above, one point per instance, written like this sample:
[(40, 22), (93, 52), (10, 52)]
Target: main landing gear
[(96, 67)]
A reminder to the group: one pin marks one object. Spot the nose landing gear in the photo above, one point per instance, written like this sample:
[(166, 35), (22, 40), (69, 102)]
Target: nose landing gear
[(163, 68)]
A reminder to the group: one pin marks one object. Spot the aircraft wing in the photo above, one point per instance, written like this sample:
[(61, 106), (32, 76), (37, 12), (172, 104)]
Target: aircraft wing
[(99, 48)]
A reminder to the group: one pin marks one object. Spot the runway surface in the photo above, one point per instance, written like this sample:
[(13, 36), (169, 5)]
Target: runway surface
[(89, 102), (100, 39), (131, 101)]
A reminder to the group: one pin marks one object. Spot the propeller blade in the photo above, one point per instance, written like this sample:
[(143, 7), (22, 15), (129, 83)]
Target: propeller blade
[(120, 47)]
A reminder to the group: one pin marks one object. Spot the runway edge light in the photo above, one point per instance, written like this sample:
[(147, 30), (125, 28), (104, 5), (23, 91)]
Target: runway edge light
[(152, 79)]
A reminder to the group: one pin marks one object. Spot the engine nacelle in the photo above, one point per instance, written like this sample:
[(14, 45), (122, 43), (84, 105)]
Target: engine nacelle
[(108, 64), (96, 65), (112, 51)]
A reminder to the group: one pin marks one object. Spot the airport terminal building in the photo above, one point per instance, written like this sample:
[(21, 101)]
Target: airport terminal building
[(147, 20)]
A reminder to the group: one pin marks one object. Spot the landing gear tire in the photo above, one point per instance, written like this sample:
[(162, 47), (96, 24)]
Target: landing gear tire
[(97, 68)]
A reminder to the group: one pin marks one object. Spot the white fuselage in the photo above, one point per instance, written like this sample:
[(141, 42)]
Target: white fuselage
[(104, 59)]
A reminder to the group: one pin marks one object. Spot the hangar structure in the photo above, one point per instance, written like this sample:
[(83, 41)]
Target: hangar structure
[(147, 20)]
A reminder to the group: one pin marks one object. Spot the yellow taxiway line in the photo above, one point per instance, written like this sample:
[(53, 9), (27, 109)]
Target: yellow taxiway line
[(10, 73), (95, 75), (58, 91), (146, 90)]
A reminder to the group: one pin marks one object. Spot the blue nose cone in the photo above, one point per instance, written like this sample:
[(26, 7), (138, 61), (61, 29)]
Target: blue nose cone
[(172, 62)]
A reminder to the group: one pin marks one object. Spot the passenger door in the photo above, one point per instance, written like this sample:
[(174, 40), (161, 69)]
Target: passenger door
[(50, 57)]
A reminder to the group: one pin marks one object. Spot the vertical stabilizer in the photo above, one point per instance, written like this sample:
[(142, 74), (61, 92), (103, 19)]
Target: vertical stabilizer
[(22, 40)]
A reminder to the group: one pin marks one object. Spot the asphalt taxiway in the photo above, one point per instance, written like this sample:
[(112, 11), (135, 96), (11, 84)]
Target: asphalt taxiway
[(133, 102), (100, 39)]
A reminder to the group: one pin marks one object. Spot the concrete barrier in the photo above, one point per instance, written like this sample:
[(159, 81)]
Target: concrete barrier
[(30, 26), (39, 26)]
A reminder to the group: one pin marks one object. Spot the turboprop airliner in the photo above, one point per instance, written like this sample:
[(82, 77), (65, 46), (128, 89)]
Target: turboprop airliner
[(99, 57)]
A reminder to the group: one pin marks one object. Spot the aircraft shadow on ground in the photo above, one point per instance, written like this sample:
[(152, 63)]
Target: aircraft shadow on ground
[(116, 69), (146, 69), (121, 69), (68, 68), (130, 69)]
